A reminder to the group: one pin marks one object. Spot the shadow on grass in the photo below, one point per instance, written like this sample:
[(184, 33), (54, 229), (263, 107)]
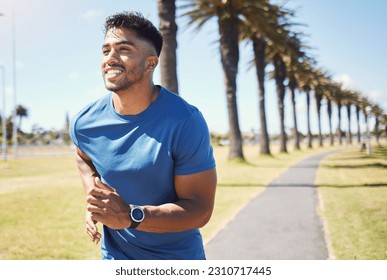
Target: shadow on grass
[(372, 165), (327, 186), (375, 185)]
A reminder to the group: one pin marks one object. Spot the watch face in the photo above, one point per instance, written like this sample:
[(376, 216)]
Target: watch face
[(137, 214)]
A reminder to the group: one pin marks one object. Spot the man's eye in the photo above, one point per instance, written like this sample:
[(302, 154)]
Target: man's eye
[(105, 52)]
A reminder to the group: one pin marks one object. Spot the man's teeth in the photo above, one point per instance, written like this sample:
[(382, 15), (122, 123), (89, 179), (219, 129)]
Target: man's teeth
[(114, 71)]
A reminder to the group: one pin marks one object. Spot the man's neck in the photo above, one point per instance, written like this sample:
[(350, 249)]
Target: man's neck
[(135, 100)]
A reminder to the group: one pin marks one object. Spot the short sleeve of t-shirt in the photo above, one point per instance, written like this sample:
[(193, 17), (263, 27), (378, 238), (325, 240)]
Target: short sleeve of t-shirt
[(72, 132), (193, 152)]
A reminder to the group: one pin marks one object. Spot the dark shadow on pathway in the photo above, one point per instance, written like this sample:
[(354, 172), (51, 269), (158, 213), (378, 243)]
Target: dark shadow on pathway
[(279, 224)]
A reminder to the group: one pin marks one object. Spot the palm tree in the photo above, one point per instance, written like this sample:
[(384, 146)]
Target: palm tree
[(229, 15), (329, 112), (377, 112), (357, 110), (168, 28), (297, 64), (320, 84), (280, 76), (338, 101), (305, 76), (285, 56), (306, 89), (333, 92), (364, 104), (264, 26), (22, 112), (350, 98), (318, 96), (384, 123), (259, 45)]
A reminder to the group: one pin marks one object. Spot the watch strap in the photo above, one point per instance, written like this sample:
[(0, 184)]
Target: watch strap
[(134, 224)]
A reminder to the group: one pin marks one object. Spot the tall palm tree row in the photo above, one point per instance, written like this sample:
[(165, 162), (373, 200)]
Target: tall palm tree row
[(268, 27), (257, 20)]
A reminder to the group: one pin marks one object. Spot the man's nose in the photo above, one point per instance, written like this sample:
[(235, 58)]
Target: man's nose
[(112, 57)]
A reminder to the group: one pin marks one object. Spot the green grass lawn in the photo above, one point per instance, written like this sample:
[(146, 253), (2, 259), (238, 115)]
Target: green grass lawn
[(42, 201), (353, 187)]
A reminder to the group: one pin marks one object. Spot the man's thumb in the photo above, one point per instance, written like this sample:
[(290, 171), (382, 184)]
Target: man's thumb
[(101, 185)]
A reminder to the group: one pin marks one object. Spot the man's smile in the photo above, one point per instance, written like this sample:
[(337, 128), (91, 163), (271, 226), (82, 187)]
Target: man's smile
[(113, 72)]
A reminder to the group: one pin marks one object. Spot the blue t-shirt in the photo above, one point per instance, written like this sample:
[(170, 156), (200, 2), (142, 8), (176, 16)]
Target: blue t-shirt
[(139, 156)]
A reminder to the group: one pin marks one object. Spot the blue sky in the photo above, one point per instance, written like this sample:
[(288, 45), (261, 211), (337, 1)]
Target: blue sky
[(58, 51)]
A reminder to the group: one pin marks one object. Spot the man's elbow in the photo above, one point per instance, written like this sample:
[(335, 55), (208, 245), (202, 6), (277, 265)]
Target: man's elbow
[(205, 217)]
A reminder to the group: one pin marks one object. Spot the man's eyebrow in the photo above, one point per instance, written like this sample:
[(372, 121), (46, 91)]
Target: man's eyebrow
[(123, 42)]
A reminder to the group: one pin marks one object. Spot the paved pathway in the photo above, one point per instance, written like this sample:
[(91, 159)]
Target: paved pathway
[(279, 224)]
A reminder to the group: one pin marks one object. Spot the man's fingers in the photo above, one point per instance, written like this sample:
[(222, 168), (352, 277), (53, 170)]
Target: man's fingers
[(96, 209), (92, 231), (94, 237), (90, 226)]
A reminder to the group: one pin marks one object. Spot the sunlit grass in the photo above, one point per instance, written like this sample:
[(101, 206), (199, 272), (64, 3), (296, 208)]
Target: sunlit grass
[(353, 187)]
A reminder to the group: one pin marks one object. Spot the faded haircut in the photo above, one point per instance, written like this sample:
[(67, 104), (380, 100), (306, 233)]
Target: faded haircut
[(135, 21)]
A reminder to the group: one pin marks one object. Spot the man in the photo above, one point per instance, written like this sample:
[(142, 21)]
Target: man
[(143, 153)]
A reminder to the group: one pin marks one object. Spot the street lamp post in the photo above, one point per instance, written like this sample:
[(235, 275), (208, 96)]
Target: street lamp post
[(14, 127), (4, 119), (14, 132)]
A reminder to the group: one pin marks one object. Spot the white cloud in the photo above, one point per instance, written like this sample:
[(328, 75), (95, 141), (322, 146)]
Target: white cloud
[(377, 97), (91, 14), (345, 80), (374, 94)]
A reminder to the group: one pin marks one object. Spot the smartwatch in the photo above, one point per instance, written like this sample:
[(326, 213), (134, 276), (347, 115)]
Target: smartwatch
[(137, 215)]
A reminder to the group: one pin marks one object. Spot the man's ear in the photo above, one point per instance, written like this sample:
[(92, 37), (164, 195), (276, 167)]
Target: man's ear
[(152, 62)]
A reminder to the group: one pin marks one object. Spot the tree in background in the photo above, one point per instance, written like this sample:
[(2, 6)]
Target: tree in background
[(228, 15), (168, 29), (21, 112)]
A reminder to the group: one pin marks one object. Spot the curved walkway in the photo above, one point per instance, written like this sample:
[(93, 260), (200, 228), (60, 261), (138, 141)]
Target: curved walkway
[(279, 224)]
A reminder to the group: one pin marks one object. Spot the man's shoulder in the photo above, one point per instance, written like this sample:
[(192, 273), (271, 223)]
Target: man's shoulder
[(176, 105)]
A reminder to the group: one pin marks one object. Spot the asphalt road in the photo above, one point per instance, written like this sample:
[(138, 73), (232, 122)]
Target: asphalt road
[(279, 224)]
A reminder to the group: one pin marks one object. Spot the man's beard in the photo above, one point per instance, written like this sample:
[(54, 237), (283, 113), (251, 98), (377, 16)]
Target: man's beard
[(124, 84), (127, 82)]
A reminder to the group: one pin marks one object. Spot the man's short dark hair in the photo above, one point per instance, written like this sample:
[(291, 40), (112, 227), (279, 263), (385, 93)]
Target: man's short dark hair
[(136, 22)]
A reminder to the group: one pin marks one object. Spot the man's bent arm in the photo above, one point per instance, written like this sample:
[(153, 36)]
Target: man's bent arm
[(194, 208)]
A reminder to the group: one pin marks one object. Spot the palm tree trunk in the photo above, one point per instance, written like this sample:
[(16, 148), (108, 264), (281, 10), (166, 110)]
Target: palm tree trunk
[(168, 29), (349, 123), (308, 118), (358, 124), (376, 130), (292, 87), (318, 98), (339, 132), (280, 74), (329, 110), (229, 53), (259, 45)]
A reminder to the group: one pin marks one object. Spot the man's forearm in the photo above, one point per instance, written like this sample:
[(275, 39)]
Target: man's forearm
[(175, 217), (86, 170)]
